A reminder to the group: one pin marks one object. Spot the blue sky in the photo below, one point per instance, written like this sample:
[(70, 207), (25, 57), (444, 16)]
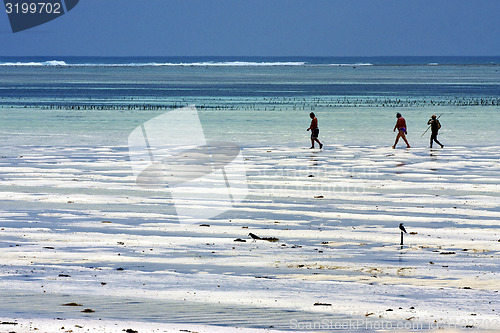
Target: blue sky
[(263, 28)]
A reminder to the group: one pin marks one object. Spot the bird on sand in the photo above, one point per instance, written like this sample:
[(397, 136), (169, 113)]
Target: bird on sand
[(402, 228), (254, 236)]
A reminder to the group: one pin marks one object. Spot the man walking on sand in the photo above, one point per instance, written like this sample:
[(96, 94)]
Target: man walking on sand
[(435, 126), (402, 130), (314, 131)]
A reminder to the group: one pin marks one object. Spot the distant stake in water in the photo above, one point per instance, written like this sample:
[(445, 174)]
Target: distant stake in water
[(403, 231)]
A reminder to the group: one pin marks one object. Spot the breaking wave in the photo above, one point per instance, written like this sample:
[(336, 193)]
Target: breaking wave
[(35, 64), (60, 63)]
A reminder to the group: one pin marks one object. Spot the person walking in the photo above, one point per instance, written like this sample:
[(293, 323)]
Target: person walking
[(435, 127), (314, 131), (402, 130)]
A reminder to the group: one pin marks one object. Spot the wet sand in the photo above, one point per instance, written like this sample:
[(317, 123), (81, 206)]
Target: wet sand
[(75, 228)]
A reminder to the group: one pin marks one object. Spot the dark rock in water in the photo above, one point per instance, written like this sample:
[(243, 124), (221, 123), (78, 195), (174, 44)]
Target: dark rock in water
[(129, 330), (240, 240), (322, 304), (254, 236), (120, 269), (204, 225), (88, 311), (270, 239), (318, 197), (72, 304)]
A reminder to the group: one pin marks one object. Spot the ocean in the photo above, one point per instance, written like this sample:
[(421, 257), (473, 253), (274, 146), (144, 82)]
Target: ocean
[(75, 227), (252, 101)]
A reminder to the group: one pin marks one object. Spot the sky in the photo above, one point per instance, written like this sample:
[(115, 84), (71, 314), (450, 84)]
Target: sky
[(263, 28)]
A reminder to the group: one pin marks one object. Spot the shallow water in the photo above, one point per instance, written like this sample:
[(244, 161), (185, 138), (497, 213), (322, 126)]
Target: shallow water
[(19, 304), (253, 105)]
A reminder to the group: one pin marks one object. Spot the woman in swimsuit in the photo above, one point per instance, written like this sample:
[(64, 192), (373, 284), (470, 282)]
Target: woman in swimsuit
[(402, 130)]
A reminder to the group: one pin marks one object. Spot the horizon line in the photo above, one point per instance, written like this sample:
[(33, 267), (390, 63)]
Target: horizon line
[(257, 56)]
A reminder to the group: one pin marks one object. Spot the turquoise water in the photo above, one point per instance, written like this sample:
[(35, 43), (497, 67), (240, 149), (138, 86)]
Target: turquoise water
[(254, 101), (361, 126)]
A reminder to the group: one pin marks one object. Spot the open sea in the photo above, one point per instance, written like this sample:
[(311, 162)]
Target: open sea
[(75, 227), (251, 101)]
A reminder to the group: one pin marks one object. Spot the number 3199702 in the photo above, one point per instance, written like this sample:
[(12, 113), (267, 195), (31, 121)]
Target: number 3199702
[(33, 8)]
